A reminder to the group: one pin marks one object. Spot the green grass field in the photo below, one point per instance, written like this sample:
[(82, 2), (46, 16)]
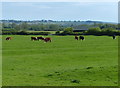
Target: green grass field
[(63, 62)]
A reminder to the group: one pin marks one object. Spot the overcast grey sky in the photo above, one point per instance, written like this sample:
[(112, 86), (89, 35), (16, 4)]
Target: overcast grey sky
[(99, 11)]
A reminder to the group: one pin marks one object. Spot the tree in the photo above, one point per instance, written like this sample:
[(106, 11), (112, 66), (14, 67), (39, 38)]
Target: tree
[(57, 32), (13, 25), (17, 27), (108, 31), (94, 31), (53, 27), (68, 30), (24, 26)]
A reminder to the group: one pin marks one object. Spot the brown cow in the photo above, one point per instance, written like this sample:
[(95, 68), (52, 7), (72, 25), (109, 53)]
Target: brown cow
[(40, 38), (8, 38), (76, 37), (34, 38), (47, 39)]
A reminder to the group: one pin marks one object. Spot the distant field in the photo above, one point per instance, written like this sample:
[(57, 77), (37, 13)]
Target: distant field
[(52, 32), (63, 62)]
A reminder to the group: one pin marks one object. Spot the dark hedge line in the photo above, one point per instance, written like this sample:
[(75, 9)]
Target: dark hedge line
[(24, 33), (61, 34), (87, 33)]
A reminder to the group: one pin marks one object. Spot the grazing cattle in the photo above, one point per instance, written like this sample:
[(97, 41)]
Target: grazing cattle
[(40, 38), (47, 39), (81, 38), (114, 37), (33, 38), (76, 37), (8, 38)]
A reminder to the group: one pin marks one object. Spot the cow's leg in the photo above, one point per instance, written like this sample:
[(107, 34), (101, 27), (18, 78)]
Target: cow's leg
[(45, 41)]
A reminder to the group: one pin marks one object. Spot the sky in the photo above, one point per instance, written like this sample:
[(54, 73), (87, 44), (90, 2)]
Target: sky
[(65, 11), (59, 0)]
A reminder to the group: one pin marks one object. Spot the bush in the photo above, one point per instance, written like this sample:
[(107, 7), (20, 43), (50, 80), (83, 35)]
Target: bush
[(93, 31), (57, 32), (22, 33), (67, 31), (108, 31)]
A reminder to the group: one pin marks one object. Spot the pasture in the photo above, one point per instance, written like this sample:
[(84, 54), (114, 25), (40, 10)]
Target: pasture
[(63, 62)]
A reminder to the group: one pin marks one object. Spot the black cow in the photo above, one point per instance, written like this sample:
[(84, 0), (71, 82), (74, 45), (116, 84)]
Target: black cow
[(34, 38), (81, 38), (114, 37), (40, 38)]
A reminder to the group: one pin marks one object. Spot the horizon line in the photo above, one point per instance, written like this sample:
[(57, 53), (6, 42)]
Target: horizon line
[(59, 20)]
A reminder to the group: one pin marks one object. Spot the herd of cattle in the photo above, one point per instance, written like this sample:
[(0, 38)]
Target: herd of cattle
[(48, 39)]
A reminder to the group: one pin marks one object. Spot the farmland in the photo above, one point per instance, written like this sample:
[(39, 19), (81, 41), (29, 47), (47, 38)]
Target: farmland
[(52, 32), (63, 62)]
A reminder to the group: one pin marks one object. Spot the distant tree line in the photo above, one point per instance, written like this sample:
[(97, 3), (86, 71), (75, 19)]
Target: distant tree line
[(32, 27), (67, 29)]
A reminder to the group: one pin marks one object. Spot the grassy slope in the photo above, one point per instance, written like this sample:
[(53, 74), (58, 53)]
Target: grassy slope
[(36, 63)]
